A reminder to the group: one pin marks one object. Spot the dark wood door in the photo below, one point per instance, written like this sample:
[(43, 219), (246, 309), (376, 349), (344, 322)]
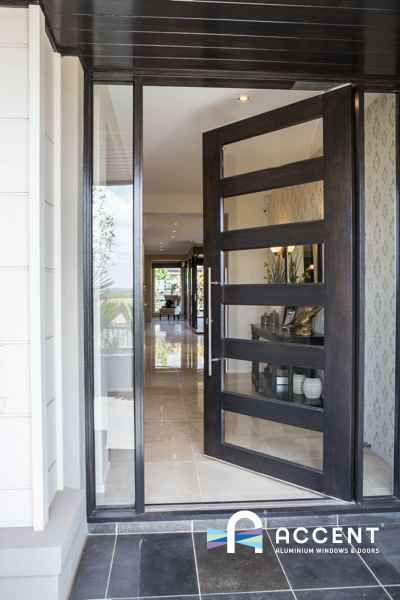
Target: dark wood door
[(279, 267)]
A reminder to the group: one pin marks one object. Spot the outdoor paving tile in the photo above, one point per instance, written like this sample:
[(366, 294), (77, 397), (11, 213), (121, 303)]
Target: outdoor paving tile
[(243, 571), (186, 597), (323, 570), (190, 597), (386, 563), (153, 565), (91, 578), (377, 593), (252, 596)]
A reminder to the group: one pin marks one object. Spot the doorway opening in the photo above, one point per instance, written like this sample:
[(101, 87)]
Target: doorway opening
[(177, 468), (167, 290), (227, 414)]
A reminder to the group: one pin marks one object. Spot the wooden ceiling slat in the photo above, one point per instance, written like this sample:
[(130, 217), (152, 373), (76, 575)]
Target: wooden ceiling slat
[(272, 12), (226, 54), (343, 4), (166, 63), (235, 28), (290, 57), (85, 39)]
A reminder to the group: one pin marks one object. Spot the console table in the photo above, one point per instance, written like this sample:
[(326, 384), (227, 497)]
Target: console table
[(283, 336)]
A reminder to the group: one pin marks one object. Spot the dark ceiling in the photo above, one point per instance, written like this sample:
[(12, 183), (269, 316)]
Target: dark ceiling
[(297, 39)]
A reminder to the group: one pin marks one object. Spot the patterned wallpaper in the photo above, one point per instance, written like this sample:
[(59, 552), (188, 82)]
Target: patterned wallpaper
[(380, 274), (295, 204)]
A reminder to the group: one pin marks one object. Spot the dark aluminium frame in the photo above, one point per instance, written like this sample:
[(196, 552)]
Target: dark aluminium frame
[(187, 511)]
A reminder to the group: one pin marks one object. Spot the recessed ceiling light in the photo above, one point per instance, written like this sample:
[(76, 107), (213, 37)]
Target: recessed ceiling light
[(244, 98)]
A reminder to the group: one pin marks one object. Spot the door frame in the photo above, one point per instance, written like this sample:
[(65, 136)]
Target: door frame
[(228, 79)]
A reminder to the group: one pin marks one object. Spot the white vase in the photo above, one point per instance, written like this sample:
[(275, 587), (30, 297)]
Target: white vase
[(312, 388), (298, 382)]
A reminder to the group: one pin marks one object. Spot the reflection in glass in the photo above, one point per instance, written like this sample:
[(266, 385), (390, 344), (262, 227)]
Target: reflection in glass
[(380, 293), (112, 209), (294, 444), (288, 324), (282, 206), (280, 264), (269, 381), (168, 349), (274, 149)]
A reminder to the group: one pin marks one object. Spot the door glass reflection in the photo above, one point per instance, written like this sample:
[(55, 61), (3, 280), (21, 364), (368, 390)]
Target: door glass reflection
[(288, 324), (282, 206), (281, 264), (294, 444), (270, 381), (273, 149)]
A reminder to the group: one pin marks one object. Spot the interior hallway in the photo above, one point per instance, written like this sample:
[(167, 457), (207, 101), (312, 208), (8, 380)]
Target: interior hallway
[(176, 470)]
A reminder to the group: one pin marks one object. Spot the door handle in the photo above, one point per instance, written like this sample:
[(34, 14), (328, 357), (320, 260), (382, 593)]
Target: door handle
[(210, 321)]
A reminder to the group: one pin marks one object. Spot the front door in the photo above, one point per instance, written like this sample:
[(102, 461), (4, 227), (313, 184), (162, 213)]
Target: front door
[(279, 266)]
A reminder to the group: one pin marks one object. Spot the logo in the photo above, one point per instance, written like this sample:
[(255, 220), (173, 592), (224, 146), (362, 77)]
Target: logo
[(250, 537)]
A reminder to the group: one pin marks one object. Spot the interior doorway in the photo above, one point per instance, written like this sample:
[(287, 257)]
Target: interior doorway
[(167, 290), (175, 414)]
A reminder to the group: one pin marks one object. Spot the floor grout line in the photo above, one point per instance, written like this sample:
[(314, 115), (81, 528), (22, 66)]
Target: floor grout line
[(254, 592), (281, 565), (111, 566), (343, 587), (195, 561), (368, 567)]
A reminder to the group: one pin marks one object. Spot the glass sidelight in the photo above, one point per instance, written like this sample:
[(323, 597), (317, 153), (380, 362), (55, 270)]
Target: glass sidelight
[(112, 251), (279, 258)]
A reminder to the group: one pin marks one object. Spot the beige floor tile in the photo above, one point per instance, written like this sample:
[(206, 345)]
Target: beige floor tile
[(167, 441), (168, 482), (223, 482)]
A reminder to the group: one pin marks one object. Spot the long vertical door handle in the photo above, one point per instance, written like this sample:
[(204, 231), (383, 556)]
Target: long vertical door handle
[(210, 361)]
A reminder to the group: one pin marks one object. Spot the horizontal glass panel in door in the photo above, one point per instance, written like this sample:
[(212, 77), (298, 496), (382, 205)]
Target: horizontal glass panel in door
[(282, 206), (274, 149), (287, 442), (112, 225), (278, 264), (265, 380), (288, 324)]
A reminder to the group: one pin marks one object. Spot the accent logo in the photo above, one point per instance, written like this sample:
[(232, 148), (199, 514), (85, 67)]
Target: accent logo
[(231, 537)]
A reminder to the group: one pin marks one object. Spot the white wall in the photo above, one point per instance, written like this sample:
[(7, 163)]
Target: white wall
[(40, 275), (72, 269), (15, 405)]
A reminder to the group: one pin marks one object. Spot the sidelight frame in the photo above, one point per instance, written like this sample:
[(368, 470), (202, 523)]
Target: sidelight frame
[(141, 512)]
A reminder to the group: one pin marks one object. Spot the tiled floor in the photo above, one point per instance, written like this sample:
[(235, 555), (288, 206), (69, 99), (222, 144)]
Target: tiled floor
[(176, 470), (179, 565), (173, 412)]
